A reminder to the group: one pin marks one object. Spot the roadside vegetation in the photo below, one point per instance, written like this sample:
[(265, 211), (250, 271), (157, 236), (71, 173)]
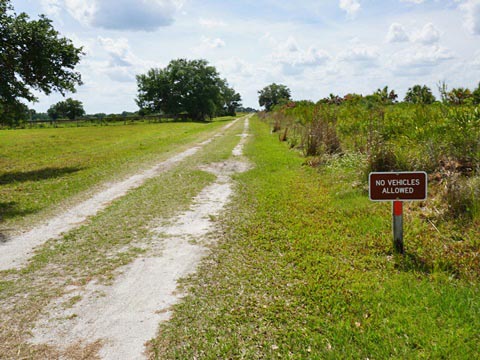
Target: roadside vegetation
[(376, 133), (306, 270), (443, 140)]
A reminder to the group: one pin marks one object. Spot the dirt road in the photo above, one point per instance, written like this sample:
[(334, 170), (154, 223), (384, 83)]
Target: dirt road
[(123, 316)]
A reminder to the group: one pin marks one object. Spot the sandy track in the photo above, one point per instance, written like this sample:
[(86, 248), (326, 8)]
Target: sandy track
[(15, 252), (126, 314)]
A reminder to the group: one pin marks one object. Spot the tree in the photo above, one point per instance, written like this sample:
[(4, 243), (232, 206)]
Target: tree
[(332, 99), (419, 95), (231, 100), (14, 115), (443, 90), (242, 109), (39, 116), (476, 95), (353, 98), (33, 56), (272, 95), (458, 96), (69, 108), (384, 96), (185, 86)]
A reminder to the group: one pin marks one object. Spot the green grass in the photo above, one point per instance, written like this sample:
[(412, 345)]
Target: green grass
[(306, 270), (40, 168), (99, 247)]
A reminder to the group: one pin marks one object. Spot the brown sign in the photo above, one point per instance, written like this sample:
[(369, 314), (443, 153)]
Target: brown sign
[(401, 186)]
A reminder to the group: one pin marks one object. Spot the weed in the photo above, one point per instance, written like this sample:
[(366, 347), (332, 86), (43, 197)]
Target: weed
[(463, 131), (438, 139), (462, 196)]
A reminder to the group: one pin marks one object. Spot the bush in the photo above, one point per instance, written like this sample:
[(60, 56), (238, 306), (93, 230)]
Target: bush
[(320, 134), (463, 134)]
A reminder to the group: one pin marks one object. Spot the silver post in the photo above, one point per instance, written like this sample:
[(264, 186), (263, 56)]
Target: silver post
[(397, 210)]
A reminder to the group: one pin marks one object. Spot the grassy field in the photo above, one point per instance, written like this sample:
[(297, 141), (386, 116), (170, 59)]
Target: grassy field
[(41, 168), (306, 270)]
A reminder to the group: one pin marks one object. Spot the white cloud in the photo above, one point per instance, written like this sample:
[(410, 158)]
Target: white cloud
[(419, 60), (122, 64), (119, 51), (120, 74), (413, 1), (268, 39), (351, 7), (211, 23), (51, 7), (147, 15), (397, 33), (313, 57), (476, 59), (82, 10), (236, 67), (472, 16), (295, 60), (290, 46), (429, 35), (212, 43), (360, 53)]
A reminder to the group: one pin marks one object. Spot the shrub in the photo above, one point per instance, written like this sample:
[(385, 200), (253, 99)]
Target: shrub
[(463, 134), (320, 136)]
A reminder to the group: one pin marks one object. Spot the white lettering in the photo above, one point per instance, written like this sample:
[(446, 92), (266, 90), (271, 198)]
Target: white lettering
[(398, 190)]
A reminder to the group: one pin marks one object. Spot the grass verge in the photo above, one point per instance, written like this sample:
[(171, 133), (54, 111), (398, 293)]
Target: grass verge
[(306, 271)]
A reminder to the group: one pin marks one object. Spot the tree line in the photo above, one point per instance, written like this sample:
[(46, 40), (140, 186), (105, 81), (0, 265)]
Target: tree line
[(277, 94)]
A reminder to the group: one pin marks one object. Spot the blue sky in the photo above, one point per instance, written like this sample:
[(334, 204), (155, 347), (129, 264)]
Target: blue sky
[(314, 47)]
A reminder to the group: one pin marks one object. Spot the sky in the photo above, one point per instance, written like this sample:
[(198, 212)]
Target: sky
[(315, 47)]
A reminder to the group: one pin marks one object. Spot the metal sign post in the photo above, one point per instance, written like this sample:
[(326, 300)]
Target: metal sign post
[(397, 207), (398, 187)]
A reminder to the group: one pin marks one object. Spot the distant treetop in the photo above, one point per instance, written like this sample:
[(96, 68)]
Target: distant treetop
[(272, 95)]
